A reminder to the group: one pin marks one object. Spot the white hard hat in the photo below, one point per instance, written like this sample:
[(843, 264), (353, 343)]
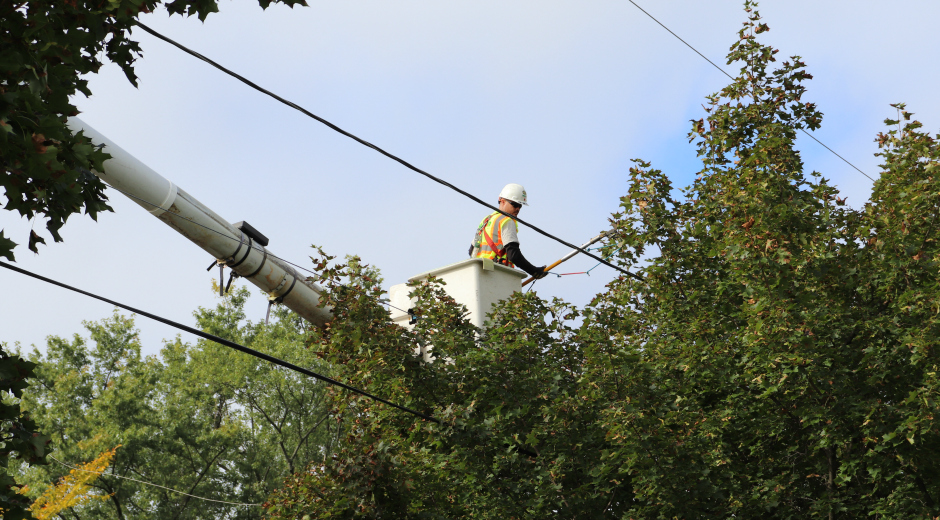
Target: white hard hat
[(515, 193)]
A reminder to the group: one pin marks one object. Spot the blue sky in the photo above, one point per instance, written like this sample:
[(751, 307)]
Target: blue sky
[(557, 96)]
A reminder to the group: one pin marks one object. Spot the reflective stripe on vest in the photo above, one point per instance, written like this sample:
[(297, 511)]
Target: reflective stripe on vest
[(486, 246)]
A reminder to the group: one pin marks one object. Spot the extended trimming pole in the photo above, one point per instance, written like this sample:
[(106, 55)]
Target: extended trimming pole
[(568, 256)]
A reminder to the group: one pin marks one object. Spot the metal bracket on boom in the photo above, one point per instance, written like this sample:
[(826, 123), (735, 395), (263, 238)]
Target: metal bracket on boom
[(231, 278), (247, 229), (273, 299), (253, 235), (221, 264), (267, 315)]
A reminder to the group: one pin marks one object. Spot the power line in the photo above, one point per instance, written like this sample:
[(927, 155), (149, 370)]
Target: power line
[(236, 346), (152, 484), (732, 78), (377, 149), (811, 136), (223, 341), (680, 39)]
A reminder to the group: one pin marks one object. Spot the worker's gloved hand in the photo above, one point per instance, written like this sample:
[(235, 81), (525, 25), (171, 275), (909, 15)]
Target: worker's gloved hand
[(540, 273)]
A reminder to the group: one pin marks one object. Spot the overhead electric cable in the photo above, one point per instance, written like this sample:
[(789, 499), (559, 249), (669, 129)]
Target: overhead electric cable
[(377, 149), (811, 136), (222, 341), (152, 484), (236, 346)]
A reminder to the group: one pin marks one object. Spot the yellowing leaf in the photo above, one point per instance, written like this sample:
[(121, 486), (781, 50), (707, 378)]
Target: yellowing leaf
[(73, 489)]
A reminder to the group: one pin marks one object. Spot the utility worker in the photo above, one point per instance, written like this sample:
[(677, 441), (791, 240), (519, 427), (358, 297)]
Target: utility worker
[(496, 237)]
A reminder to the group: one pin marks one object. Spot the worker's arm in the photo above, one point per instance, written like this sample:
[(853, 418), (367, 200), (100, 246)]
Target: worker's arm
[(515, 256)]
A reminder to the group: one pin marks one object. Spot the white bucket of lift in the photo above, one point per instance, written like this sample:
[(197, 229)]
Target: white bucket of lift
[(476, 283)]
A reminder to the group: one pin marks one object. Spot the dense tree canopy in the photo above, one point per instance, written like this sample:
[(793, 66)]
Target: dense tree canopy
[(778, 360)]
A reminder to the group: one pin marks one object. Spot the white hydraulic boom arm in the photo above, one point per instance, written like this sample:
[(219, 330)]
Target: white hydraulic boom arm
[(236, 248)]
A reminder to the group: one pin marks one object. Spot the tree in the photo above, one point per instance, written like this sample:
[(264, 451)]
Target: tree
[(20, 439), (201, 419), (49, 48), (777, 360)]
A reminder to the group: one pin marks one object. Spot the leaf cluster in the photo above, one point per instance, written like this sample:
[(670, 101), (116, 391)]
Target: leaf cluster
[(72, 489), (20, 439)]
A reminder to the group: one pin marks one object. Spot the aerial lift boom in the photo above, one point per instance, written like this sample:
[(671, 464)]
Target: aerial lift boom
[(240, 248)]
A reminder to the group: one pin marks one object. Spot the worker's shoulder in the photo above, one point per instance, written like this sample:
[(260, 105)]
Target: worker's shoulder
[(489, 218), (497, 218), (508, 222)]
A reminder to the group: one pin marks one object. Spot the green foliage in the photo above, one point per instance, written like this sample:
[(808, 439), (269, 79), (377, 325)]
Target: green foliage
[(200, 418), (48, 49), (778, 361), (20, 439), (512, 390)]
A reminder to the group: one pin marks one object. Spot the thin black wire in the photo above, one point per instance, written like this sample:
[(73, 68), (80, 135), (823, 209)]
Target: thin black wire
[(532, 285), (377, 149), (811, 136), (222, 341), (236, 346), (732, 78)]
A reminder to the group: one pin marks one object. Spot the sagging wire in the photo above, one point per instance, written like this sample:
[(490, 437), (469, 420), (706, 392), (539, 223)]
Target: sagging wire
[(221, 341), (376, 148), (588, 272), (152, 484), (240, 348), (811, 136)]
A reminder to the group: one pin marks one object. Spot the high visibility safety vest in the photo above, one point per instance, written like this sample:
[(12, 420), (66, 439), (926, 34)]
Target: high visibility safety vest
[(488, 241)]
